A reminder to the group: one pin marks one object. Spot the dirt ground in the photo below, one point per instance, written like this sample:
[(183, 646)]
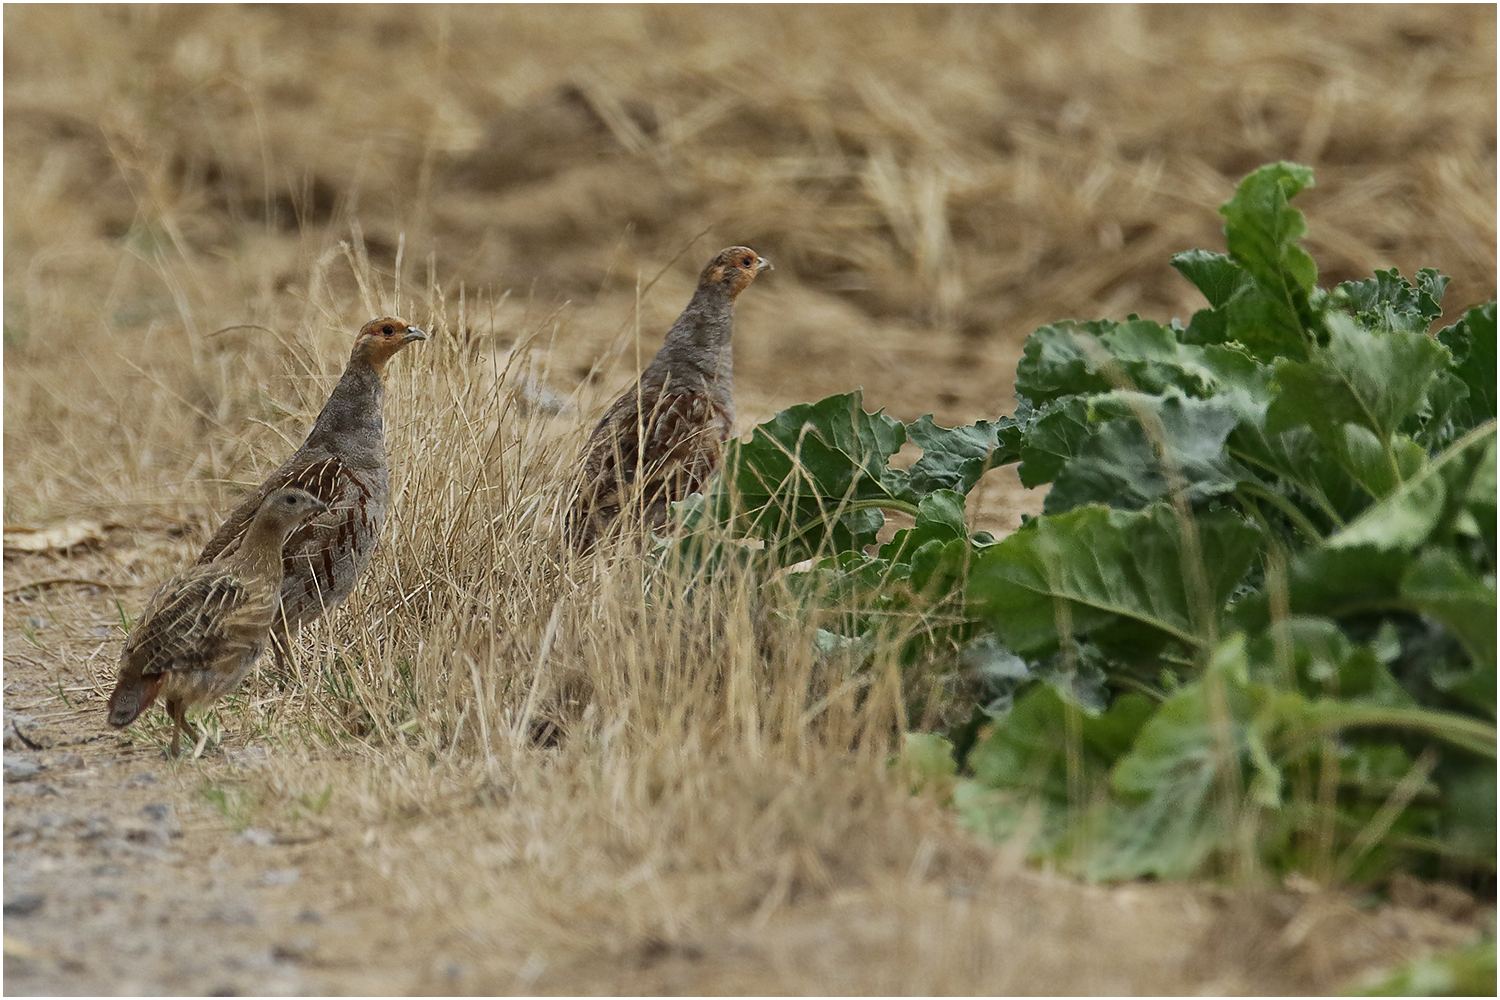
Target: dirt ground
[(538, 187), (121, 878)]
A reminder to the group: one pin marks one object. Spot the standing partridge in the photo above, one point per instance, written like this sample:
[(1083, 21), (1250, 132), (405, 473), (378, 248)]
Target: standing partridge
[(342, 463), (664, 437), (204, 629)]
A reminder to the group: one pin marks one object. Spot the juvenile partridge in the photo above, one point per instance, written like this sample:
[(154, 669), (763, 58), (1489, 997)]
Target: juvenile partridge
[(664, 437), (204, 629), (342, 463)]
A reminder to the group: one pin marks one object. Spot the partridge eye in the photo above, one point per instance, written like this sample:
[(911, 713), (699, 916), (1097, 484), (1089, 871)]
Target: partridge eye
[(387, 329), (748, 261)]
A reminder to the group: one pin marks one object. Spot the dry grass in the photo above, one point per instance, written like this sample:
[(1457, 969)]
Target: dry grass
[(203, 204)]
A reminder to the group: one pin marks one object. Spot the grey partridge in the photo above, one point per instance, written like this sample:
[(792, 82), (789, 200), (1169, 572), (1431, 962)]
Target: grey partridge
[(204, 629), (342, 463), (664, 437)]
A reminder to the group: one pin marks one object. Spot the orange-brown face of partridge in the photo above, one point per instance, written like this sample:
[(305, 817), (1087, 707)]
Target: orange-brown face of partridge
[(735, 268), (380, 338)]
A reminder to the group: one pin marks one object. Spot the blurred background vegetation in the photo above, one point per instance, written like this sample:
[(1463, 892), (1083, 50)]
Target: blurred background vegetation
[(932, 182)]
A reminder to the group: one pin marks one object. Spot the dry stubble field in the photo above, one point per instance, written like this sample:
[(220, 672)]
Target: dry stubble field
[(493, 773)]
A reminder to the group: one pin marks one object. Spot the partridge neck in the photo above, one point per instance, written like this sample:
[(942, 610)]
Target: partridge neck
[(261, 552), (350, 422), (700, 339)]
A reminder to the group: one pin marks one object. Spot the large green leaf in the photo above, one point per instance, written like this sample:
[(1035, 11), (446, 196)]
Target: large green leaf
[(1144, 448), (1064, 359), (1433, 497), (801, 482), (1360, 569), (1271, 315), (1204, 732), (1371, 380), (954, 458), (1438, 585), (1213, 274), (1472, 341), (831, 448), (1055, 434), (1102, 565), (1026, 759)]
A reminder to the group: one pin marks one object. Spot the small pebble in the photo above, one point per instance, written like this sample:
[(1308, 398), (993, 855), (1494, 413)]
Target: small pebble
[(258, 837), (21, 768), (279, 876), (24, 904), (36, 790), (234, 914), (297, 949), (96, 827), (309, 916), (157, 812)]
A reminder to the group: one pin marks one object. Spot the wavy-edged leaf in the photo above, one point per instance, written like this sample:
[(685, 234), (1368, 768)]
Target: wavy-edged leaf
[(1063, 359), (1103, 565), (1373, 380), (954, 458), (1052, 438), (1272, 315), (1408, 517), (1437, 584), (1213, 274), (792, 483), (1144, 448), (1388, 301), (1472, 341)]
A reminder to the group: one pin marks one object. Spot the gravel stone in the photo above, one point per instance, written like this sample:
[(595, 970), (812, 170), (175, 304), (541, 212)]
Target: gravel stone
[(21, 768), (23, 904), (279, 876), (258, 837), (237, 914)]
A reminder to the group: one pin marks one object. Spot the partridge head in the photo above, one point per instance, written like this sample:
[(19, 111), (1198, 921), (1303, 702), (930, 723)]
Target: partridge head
[(733, 269), (379, 340)]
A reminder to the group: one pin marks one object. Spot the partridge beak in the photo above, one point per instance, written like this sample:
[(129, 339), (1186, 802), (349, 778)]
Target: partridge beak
[(764, 265), (413, 333)]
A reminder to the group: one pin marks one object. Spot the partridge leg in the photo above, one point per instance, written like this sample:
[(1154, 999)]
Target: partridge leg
[(178, 711), (281, 676)]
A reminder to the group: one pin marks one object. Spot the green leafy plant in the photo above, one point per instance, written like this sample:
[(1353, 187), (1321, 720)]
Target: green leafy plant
[(1255, 624)]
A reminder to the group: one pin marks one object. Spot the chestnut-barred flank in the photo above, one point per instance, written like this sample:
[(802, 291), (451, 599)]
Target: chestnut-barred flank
[(343, 464), (204, 629), (664, 437)]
